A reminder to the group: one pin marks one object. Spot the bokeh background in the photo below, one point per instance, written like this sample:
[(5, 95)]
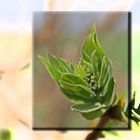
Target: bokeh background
[(16, 51), (62, 34)]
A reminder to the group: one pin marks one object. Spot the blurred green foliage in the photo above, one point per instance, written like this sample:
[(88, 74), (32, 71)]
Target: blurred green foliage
[(5, 134)]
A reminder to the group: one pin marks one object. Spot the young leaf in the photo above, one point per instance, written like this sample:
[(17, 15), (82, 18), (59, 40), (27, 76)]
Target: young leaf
[(104, 69), (88, 107), (95, 114), (48, 66), (66, 65), (56, 66), (73, 79), (77, 88), (88, 48), (56, 63), (76, 97), (91, 44), (80, 71), (107, 99), (94, 62)]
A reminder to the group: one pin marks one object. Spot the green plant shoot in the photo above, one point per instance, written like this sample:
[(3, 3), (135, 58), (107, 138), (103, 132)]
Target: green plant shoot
[(89, 85)]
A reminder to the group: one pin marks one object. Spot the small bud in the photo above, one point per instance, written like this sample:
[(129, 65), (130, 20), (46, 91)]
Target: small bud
[(92, 81), (88, 79), (88, 70), (94, 87), (92, 77), (90, 84), (88, 74)]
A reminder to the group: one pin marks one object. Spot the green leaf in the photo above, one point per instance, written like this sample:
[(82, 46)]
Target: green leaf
[(96, 41), (56, 66), (88, 107), (104, 70), (105, 86), (80, 70), (59, 65), (75, 97), (48, 66), (94, 115), (86, 57), (73, 79), (107, 99), (56, 63), (94, 62), (77, 88), (66, 65), (89, 45), (89, 65), (92, 43), (90, 111), (88, 48), (104, 76)]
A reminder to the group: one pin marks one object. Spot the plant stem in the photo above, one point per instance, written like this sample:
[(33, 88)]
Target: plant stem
[(97, 132), (112, 113)]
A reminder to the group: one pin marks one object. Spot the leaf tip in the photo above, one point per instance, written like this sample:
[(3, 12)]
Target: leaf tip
[(93, 29)]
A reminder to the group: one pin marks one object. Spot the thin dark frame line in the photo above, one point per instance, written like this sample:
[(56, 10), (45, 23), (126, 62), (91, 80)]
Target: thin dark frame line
[(66, 129), (129, 66)]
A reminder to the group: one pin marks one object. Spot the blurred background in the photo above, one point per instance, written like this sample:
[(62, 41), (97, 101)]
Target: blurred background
[(16, 20), (63, 34)]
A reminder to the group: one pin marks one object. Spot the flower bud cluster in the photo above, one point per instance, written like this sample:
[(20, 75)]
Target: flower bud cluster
[(90, 78)]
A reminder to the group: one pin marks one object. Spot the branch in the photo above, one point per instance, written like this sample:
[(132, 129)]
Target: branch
[(112, 113), (96, 133)]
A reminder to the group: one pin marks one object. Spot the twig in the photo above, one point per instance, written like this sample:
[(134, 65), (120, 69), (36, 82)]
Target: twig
[(97, 132), (110, 114)]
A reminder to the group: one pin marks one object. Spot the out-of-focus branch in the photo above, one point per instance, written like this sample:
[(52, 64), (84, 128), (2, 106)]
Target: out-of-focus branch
[(96, 133)]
